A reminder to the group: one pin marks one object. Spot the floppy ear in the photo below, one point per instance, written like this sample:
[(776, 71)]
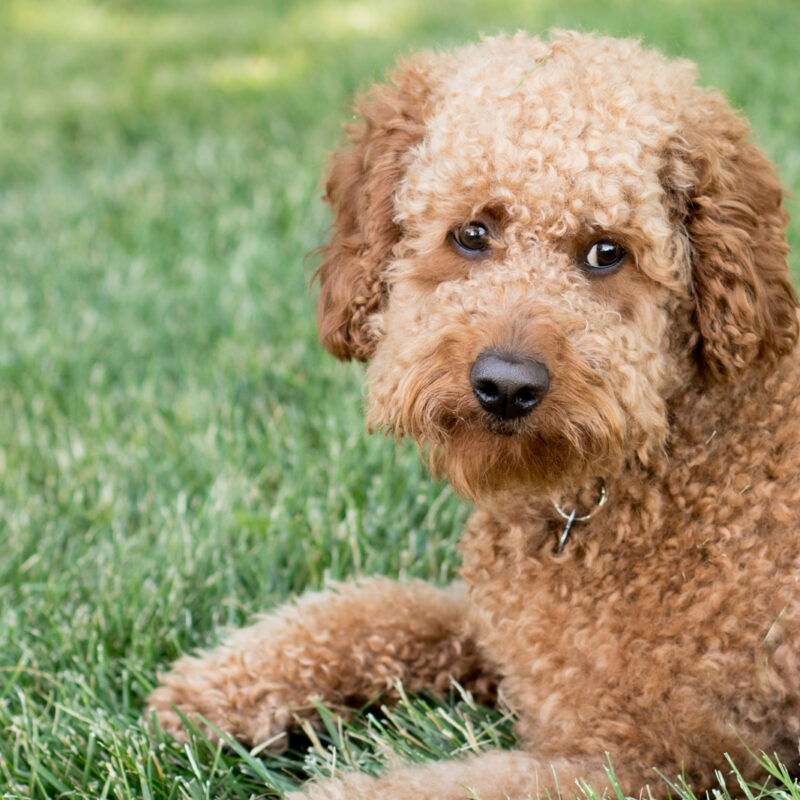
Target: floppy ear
[(745, 305), (360, 187)]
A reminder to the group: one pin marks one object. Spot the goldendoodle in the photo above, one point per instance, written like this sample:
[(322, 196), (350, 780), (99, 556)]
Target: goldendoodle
[(566, 265)]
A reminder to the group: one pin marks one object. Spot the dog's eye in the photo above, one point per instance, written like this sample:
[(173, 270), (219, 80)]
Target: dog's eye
[(473, 239), (605, 255)]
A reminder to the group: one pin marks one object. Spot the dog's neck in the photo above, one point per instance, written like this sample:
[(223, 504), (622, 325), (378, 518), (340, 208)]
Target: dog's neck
[(702, 412)]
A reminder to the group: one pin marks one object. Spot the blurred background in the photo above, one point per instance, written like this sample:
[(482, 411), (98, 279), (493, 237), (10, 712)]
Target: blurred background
[(176, 452)]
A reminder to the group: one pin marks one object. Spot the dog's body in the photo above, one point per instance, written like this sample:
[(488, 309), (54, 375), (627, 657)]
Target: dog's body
[(567, 266)]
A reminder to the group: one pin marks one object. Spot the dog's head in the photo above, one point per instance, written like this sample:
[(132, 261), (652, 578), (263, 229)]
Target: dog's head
[(537, 244)]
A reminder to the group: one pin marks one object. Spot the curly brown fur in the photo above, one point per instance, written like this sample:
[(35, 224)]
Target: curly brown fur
[(666, 631), (360, 188), (263, 679)]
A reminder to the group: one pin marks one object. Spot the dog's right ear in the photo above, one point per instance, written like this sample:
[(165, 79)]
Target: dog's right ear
[(360, 186), (732, 212)]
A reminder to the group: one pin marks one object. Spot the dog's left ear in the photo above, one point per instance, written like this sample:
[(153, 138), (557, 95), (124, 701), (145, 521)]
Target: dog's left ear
[(360, 189), (729, 198)]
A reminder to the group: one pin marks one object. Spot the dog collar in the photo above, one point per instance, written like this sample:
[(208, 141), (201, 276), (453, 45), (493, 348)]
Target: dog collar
[(572, 516)]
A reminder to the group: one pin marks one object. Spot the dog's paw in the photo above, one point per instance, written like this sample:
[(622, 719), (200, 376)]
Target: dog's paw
[(216, 703)]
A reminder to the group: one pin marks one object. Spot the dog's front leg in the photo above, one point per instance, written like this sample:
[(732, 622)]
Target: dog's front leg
[(508, 775), (345, 647)]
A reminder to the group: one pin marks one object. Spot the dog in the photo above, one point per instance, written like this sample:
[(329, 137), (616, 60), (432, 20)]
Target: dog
[(566, 265)]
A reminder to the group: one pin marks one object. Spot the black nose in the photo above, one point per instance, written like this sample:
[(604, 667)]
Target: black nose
[(506, 385)]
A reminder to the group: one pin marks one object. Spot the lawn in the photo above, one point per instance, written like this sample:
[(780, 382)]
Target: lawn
[(176, 452)]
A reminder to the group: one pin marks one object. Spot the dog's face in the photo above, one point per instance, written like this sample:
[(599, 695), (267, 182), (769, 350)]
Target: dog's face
[(537, 245)]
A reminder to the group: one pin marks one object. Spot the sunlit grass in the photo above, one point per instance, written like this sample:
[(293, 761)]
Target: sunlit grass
[(76, 21), (176, 453)]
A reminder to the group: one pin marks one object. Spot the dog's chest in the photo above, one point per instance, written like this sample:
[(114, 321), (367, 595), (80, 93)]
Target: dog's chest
[(637, 613)]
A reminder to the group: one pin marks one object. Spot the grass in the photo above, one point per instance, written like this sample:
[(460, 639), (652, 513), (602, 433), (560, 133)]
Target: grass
[(175, 451)]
